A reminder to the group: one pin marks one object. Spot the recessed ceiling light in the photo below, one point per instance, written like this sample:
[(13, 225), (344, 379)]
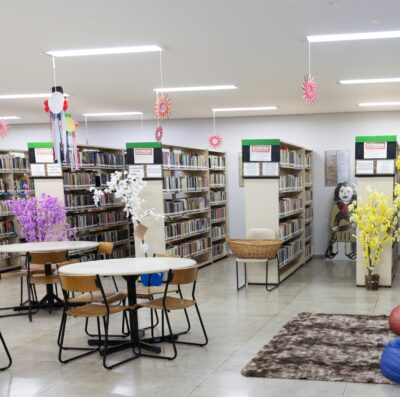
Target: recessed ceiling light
[(245, 109), (326, 38), (199, 88), (28, 96), (366, 104), (105, 51), (9, 117), (112, 114), (370, 81)]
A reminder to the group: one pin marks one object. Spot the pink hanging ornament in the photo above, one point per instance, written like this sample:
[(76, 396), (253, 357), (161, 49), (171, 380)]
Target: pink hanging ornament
[(163, 107), (215, 141), (159, 133), (309, 88), (4, 129)]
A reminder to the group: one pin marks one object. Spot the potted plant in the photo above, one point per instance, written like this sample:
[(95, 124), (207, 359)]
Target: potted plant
[(376, 220)]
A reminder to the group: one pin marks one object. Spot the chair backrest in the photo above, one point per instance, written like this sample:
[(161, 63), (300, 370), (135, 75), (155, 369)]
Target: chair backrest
[(165, 256), (42, 258), (105, 248), (261, 234), (182, 276), (79, 283)]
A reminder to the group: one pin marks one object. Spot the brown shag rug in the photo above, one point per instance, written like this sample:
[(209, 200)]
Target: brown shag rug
[(327, 347)]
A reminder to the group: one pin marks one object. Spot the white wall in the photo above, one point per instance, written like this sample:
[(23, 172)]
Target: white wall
[(316, 132)]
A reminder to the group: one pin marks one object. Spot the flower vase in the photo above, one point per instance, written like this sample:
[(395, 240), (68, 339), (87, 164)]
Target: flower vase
[(372, 282)]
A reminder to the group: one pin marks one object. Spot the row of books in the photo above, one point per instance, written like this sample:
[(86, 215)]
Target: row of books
[(8, 162), (218, 231), (290, 181), (219, 249), (3, 254), (217, 179), (4, 207), (308, 213), (217, 196), (192, 226), (190, 248), (4, 185), (290, 157), (79, 178), (287, 205), (308, 250), (108, 235), (289, 251), (24, 184), (308, 178), (290, 227), (88, 220), (185, 183), (218, 213), (187, 204), (6, 227), (96, 158), (308, 160), (182, 159), (308, 195), (79, 200), (216, 161), (308, 231)]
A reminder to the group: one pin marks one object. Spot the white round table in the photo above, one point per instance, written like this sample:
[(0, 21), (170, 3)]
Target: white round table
[(129, 269), (50, 300)]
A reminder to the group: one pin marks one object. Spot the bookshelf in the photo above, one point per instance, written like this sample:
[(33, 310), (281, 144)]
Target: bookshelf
[(218, 201), (14, 182), (107, 222), (281, 201)]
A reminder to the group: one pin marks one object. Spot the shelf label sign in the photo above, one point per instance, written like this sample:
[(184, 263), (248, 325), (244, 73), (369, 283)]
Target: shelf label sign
[(260, 153), (144, 155), (41, 152), (375, 150)]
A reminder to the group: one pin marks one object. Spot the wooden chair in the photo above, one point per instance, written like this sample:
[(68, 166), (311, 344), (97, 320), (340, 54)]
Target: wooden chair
[(168, 303), (7, 353), (88, 285)]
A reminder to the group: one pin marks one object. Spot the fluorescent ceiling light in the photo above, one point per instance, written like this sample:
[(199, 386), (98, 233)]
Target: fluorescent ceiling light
[(9, 117), (244, 109), (368, 104), (326, 38), (105, 51), (28, 96), (370, 81), (199, 88), (112, 114)]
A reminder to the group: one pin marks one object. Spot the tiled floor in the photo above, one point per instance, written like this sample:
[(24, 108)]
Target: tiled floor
[(238, 324)]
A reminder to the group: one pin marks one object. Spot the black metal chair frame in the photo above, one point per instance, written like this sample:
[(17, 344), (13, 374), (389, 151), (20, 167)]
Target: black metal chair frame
[(7, 353)]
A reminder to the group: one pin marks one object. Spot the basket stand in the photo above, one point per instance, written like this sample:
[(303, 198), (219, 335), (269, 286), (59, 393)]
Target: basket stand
[(266, 261)]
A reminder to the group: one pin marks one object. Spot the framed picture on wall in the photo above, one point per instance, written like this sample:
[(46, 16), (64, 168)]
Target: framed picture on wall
[(337, 167)]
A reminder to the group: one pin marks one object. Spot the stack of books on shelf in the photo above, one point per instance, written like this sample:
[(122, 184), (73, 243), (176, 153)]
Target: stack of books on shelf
[(99, 219), (308, 180), (289, 229), (78, 200), (186, 229), (190, 249), (84, 179), (6, 228), (308, 214), (185, 183), (179, 159), (308, 231), (218, 197), (218, 232), (308, 161), (217, 180), (4, 186), (5, 209), (192, 204), (216, 162), (290, 182), (289, 206), (19, 163), (115, 236), (109, 160), (290, 158), (308, 197), (5, 162), (219, 250), (218, 214), (23, 185), (308, 251), (289, 252)]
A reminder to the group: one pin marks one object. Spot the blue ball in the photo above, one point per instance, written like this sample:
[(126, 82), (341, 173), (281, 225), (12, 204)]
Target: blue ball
[(154, 279), (390, 360)]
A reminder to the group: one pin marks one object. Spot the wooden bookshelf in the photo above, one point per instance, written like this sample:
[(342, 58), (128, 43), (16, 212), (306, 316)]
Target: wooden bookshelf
[(107, 222), (14, 182)]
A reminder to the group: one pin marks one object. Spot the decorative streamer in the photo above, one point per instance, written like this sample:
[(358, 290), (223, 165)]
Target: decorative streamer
[(86, 130), (4, 129), (163, 106), (214, 140), (159, 133), (309, 84)]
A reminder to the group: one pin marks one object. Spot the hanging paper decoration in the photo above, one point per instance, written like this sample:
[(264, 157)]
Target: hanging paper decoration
[(159, 133), (215, 141), (309, 88), (4, 129), (56, 105), (72, 146), (163, 107)]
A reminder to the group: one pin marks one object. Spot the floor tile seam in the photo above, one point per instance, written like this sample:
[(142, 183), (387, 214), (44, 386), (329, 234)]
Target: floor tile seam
[(344, 391), (377, 300)]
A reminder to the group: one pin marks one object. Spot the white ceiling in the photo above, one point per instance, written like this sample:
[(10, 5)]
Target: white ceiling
[(257, 45)]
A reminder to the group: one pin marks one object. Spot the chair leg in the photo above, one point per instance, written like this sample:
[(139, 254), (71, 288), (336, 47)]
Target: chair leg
[(7, 352), (239, 287), (203, 329), (266, 276), (62, 347)]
